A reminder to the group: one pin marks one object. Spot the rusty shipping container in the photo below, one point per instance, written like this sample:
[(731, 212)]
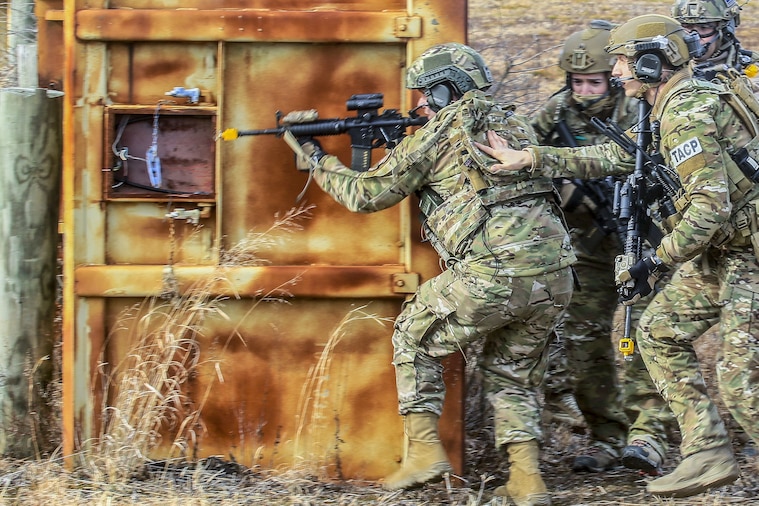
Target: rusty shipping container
[(155, 203)]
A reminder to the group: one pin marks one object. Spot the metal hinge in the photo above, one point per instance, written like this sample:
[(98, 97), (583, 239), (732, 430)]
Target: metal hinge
[(408, 27), (405, 282), (192, 216)]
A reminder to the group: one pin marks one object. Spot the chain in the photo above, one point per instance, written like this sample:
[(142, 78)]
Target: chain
[(151, 157), (170, 285), (155, 125)]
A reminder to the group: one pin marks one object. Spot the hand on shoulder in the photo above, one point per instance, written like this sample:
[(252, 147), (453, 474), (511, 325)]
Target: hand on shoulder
[(498, 148)]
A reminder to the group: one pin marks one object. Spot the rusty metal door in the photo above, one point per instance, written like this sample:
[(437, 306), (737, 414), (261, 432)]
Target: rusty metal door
[(155, 205)]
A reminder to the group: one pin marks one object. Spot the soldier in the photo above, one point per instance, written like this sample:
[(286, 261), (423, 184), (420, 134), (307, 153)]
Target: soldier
[(585, 368), (714, 21), (712, 140), (508, 255)]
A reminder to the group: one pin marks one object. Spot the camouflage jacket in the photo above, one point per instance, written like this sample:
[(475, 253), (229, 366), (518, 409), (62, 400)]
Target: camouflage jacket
[(517, 231), (561, 106), (699, 130), (588, 206)]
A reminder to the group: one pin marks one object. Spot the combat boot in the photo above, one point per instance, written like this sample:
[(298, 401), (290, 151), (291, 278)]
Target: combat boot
[(595, 460), (525, 486), (698, 473), (564, 409), (425, 460), (642, 455)]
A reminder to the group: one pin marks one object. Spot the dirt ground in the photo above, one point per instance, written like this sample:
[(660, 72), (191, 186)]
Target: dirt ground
[(620, 486)]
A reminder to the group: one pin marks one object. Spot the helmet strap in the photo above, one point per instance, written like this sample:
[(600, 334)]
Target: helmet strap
[(707, 45), (642, 90)]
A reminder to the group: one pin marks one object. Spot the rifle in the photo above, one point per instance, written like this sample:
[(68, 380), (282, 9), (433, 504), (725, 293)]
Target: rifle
[(368, 129), (596, 190), (662, 182), (650, 182)]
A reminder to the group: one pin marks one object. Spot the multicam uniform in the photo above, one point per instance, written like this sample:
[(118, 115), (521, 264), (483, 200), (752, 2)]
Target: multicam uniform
[(654, 416), (508, 255), (586, 331), (718, 279)]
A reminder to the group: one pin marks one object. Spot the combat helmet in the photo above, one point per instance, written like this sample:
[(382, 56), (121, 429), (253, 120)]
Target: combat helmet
[(648, 39), (584, 51), (694, 12), (447, 70)]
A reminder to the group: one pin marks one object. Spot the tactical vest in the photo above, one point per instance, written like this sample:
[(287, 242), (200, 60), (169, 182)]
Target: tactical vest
[(595, 194), (742, 226), (451, 223)]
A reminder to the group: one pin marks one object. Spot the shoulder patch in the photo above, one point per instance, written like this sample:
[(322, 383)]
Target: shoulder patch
[(685, 151)]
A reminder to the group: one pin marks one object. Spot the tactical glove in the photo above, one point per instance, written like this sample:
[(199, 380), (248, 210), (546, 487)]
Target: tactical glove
[(313, 152), (639, 280)]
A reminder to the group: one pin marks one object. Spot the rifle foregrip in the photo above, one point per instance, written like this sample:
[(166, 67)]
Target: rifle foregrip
[(318, 128)]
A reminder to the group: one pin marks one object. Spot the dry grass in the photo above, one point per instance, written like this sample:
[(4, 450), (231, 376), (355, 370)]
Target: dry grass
[(311, 407), (16, 28), (520, 39), (142, 394)]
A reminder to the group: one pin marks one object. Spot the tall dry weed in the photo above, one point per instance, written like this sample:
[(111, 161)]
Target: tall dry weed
[(142, 395), (312, 407)]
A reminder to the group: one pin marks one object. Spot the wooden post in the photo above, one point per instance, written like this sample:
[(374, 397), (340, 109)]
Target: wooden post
[(30, 174), (20, 44)]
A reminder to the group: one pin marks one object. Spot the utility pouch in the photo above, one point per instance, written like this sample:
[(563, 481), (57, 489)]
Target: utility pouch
[(747, 159), (680, 201), (429, 200), (723, 235), (455, 221), (675, 213), (748, 165), (742, 88), (743, 219)]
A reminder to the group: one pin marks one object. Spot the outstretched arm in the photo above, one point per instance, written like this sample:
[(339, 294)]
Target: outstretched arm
[(584, 162)]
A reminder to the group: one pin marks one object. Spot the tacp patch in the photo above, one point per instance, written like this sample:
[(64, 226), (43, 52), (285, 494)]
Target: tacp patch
[(685, 151)]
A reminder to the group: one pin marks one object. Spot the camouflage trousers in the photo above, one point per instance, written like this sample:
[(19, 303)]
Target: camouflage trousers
[(585, 350), (514, 317), (713, 288), (651, 418)]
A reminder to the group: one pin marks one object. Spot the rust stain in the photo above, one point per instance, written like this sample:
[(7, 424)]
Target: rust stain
[(320, 281), (349, 5), (268, 55), (244, 25)]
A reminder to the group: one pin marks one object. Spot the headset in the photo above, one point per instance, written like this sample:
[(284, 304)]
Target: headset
[(693, 42), (649, 64), (439, 96), (648, 68)]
